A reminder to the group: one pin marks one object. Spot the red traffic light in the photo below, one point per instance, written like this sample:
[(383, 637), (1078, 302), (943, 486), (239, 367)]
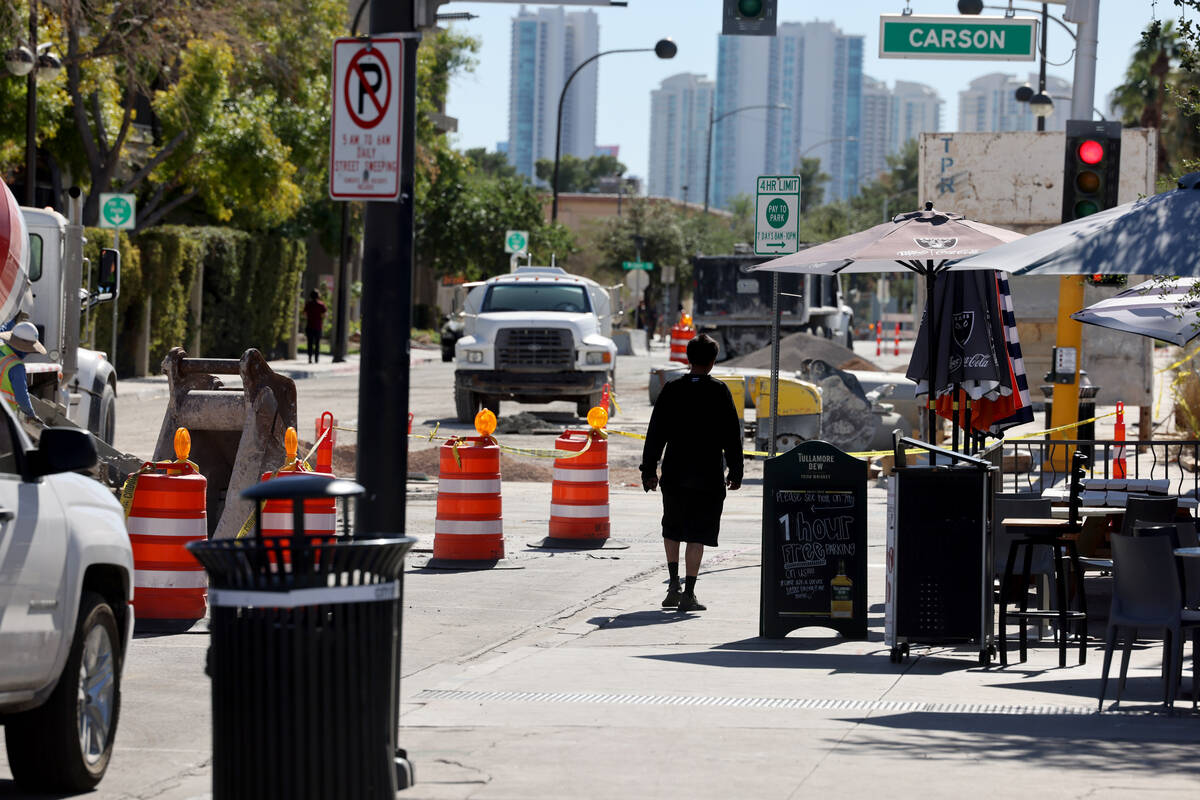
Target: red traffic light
[(1091, 152)]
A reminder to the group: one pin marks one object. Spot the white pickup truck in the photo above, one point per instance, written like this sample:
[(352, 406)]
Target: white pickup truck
[(66, 614), (535, 335)]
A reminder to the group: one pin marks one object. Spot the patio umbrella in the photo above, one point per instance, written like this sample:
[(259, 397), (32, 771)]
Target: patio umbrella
[(14, 254), (925, 242), (1165, 310), (1157, 235)]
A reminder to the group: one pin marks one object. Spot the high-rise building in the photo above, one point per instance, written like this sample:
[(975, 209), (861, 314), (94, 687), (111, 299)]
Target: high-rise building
[(813, 69), (679, 113), (989, 104), (915, 109), (875, 138), (547, 44)]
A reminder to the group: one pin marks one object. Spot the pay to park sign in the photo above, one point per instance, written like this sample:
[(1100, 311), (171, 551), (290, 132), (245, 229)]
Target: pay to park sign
[(777, 215), (364, 161), (951, 37)]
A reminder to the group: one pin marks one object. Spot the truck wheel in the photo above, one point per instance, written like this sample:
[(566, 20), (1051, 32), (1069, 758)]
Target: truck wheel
[(466, 403), (491, 402), (850, 334), (586, 403), (65, 744), (447, 354), (108, 414)]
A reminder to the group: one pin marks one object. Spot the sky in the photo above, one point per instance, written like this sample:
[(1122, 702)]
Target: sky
[(479, 100)]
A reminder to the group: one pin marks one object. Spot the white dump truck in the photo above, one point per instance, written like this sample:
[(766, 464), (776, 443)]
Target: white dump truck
[(83, 382), (535, 335)]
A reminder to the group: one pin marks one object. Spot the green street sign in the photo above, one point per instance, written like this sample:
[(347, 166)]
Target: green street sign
[(118, 211), (777, 215), (957, 37), (628, 265), (516, 241)]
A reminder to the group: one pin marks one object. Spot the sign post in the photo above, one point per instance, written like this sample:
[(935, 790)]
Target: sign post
[(777, 215), (956, 37), (119, 212), (365, 138), (516, 242)]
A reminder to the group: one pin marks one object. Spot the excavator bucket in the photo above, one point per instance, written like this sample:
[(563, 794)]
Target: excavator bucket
[(237, 431)]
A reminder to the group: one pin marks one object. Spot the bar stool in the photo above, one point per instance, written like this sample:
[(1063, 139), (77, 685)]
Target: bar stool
[(1043, 533)]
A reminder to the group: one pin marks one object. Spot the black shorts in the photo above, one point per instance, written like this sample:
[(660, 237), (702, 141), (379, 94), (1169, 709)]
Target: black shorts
[(692, 515)]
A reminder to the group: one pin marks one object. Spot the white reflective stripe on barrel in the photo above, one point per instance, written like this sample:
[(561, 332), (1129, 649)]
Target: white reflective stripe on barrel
[(469, 486), (581, 475), (161, 526), (169, 579), (561, 510), (282, 521), (318, 596), (489, 527)]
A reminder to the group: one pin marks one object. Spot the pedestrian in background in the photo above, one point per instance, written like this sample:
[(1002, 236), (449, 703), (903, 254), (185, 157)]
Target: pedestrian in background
[(314, 322), (696, 421)]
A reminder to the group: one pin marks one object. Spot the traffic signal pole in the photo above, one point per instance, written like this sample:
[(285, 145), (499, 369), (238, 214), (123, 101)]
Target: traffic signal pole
[(387, 311)]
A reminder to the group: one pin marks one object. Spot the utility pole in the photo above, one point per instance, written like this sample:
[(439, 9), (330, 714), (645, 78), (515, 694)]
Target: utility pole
[(1083, 90), (387, 310)]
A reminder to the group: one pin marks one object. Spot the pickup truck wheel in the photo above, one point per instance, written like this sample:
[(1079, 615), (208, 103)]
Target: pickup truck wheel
[(466, 403), (491, 402), (66, 743)]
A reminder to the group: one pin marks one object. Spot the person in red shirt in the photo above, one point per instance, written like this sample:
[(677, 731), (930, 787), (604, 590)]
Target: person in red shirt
[(314, 316)]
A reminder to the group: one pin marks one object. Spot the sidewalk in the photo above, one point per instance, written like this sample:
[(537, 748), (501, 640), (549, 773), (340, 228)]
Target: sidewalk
[(619, 698)]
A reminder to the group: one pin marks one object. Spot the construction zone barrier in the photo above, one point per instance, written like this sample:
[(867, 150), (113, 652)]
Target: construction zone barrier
[(680, 336), (326, 440), (165, 509), (468, 530), (320, 513)]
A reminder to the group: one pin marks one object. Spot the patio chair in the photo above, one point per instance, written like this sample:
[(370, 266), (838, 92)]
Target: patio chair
[(1022, 505), (1144, 508), (1146, 594)]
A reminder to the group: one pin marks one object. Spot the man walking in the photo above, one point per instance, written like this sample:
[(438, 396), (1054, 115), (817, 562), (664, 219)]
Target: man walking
[(696, 421), (314, 316)]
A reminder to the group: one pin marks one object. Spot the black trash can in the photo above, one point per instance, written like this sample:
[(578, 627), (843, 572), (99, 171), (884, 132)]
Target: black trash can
[(304, 658)]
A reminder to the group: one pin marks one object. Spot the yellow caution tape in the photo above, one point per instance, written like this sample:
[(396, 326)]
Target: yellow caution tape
[(129, 487), (1180, 362)]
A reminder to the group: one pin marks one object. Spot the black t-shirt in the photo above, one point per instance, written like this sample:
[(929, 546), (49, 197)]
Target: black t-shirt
[(696, 421)]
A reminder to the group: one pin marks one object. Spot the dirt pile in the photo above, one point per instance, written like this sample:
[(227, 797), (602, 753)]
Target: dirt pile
[(797, 347)]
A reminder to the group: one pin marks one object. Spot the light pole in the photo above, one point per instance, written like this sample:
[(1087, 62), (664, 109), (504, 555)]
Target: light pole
[(708, 148), (663, 48), (29, 60)]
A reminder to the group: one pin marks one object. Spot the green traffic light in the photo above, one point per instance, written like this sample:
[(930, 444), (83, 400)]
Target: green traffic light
[(750, 8), (1085, 208)]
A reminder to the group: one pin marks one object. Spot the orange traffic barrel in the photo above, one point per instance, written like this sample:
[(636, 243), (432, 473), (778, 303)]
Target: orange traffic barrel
[(167, 510), (579, 493), (320, 513), (680, 336), (468, 531)]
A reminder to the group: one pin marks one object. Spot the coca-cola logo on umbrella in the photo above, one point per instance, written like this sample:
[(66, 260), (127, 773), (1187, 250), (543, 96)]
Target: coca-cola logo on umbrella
[(936, 242)]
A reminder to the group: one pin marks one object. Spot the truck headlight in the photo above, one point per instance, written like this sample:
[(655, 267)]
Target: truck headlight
[(474, 356), (598, 357)]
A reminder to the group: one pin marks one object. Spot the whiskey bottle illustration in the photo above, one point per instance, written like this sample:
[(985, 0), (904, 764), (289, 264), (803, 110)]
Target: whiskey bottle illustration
[(841, 592)]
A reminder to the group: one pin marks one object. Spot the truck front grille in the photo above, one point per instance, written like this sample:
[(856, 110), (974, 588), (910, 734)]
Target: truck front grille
[(534, 348)]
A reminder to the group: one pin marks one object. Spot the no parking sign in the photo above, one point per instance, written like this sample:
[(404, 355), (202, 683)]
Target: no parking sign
[(364, 161)]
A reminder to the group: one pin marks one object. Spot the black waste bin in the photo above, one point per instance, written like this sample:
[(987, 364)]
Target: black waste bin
[(304, 658)]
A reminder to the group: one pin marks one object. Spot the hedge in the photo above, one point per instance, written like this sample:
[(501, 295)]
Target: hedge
[(249, 290)]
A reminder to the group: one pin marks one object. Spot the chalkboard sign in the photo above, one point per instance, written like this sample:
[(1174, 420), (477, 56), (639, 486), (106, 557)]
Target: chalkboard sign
[(814, 542)]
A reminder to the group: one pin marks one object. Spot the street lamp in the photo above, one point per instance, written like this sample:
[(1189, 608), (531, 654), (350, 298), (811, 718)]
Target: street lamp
[(29, 60), (663, 48), (711, 123)]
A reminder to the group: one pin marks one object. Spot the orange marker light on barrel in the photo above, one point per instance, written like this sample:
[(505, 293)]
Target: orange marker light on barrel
[(291, 443), (485, 422), (597, 418), (183, 444)]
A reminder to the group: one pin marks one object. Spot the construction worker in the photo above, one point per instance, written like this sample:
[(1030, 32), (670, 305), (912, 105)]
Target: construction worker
[(18, 342)]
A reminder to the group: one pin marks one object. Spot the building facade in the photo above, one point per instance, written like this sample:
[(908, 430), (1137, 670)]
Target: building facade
[(989, 104), (816, 72), (679, 114), (547, 45), (915, 108), (875, 139)]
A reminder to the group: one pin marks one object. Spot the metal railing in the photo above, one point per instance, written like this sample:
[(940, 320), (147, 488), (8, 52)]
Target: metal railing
[(1031, 465)]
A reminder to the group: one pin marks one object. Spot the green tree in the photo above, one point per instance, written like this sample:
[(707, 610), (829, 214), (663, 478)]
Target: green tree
[(1145, 97), (812, 183), (494, 164), (579, 174)]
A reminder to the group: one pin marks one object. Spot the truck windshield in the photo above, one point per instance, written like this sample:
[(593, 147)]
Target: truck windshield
[(536, 297)]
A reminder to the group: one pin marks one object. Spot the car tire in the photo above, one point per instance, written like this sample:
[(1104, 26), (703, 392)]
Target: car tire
[(108, 415), (466, 403), (46, 751)]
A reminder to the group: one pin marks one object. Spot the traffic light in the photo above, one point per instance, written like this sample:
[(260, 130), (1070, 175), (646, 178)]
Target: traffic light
[(749, 17), (1092, 170)]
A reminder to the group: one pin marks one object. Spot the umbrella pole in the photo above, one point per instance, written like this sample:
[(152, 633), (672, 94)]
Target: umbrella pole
[(955, 421), (968, 434), (930, 369)]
